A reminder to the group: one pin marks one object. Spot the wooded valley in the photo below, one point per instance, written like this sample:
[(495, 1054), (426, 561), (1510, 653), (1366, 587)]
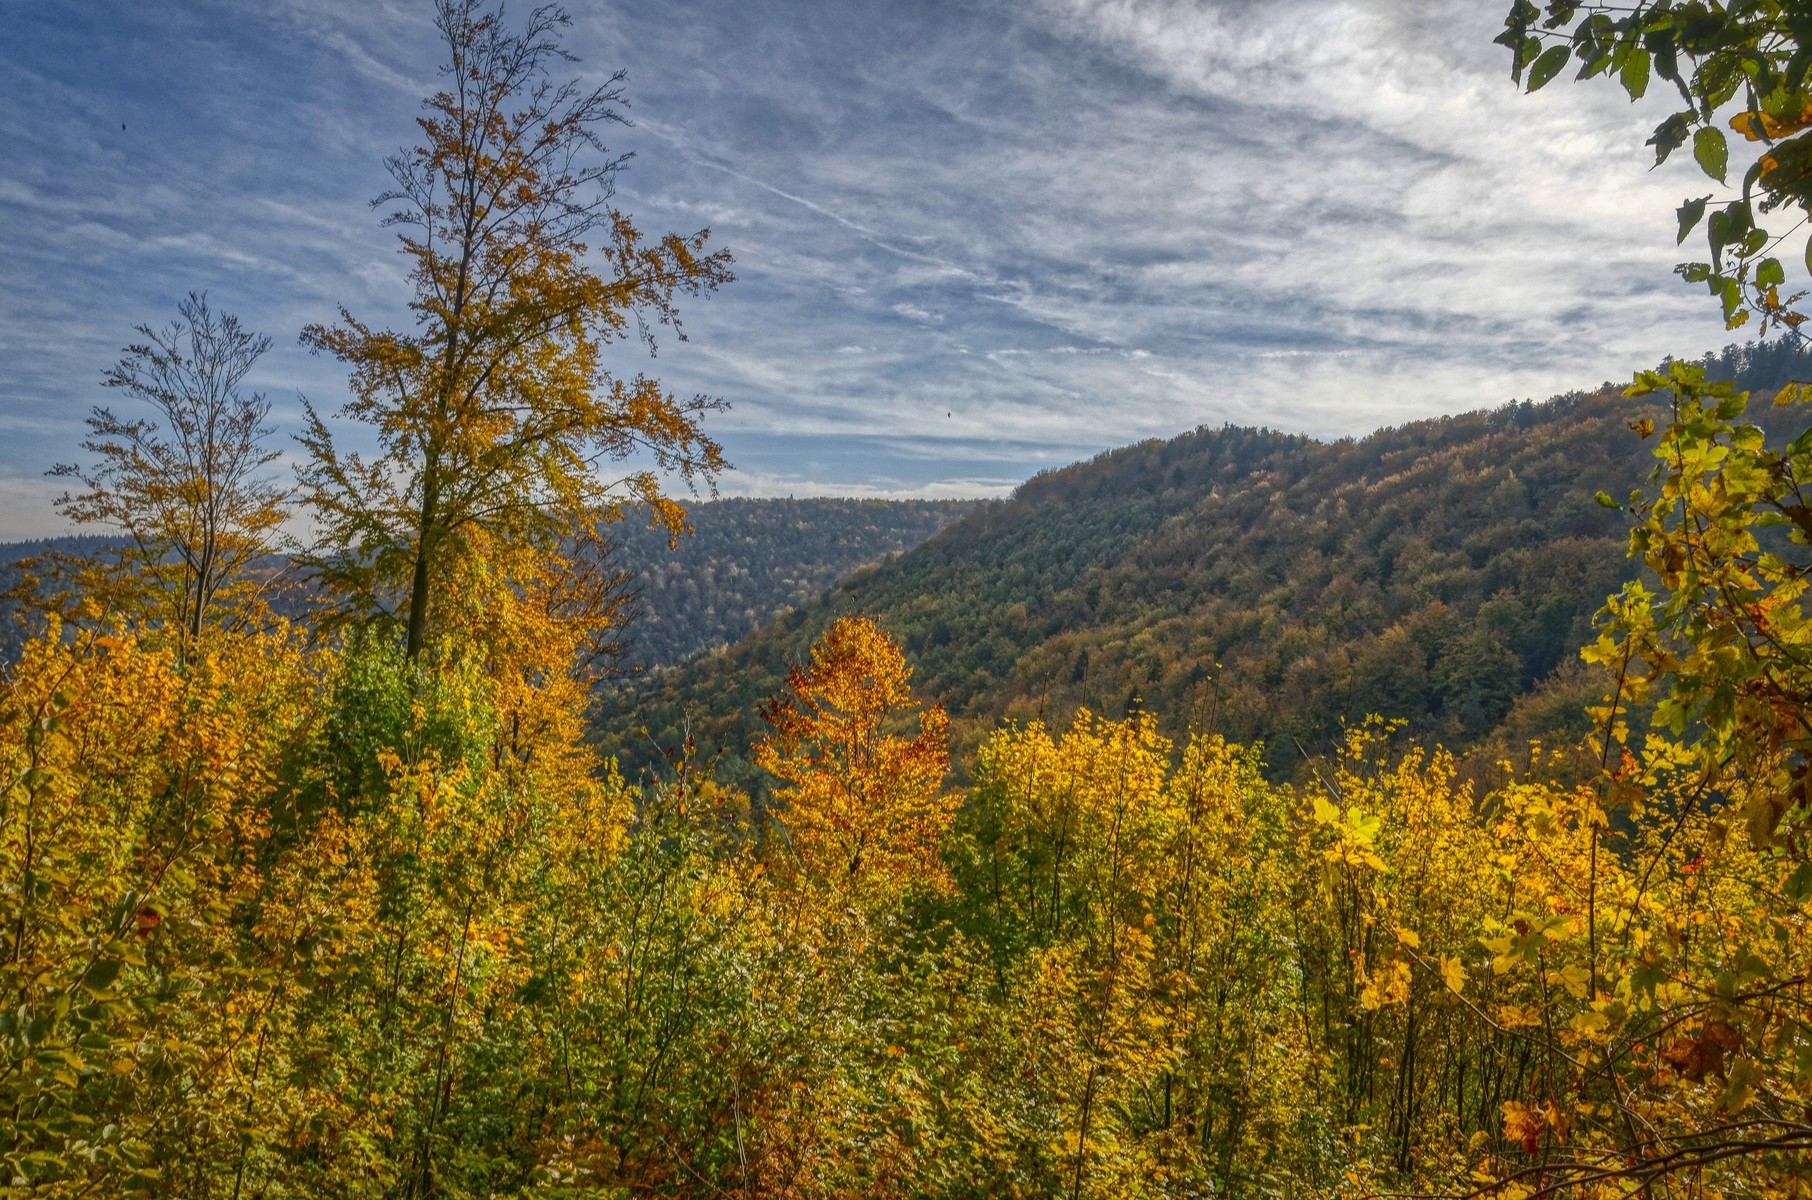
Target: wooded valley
[(740, 564), (744, 562)]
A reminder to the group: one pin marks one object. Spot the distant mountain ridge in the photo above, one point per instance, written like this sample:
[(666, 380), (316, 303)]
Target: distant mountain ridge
[(1267, 585)]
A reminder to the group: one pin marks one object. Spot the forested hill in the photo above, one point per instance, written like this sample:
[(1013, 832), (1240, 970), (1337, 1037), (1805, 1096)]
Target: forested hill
[(1269, 586), (746, 561)]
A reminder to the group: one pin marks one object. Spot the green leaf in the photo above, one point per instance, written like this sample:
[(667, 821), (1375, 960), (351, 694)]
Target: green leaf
[(1646, 977), (1597, 60), (1560, 12), (1634, 75), (1548, 66), (1710, 151), (1731, 406), (1730, 292), (1667, 62), (1740, 1088), (1690, 215), (1769, 273), (101, 974), (1604, 500), (1718, 236), (1670, 135), (36, 1028)]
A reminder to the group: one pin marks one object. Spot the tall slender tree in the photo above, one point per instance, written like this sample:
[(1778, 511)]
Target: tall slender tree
[(187, 485), (495, 414)]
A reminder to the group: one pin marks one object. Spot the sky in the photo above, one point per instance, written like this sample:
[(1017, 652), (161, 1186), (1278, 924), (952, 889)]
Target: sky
[(972, 240)]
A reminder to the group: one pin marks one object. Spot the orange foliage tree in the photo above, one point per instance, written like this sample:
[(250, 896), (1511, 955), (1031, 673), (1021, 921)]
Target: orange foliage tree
[(860, 801)]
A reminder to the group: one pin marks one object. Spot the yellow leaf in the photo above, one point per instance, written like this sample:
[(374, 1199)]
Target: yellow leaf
[(1388, 985), (1588, 1022), (1575, 977), (1512, 1016)]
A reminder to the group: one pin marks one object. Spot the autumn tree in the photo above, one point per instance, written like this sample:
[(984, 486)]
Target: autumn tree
[(1140, 916), (143, 1020), (494, 416), (860, 798), (187, 484)]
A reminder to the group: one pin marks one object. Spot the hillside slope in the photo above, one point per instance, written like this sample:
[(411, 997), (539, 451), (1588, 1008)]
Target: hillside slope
[(1268, 586), (748, 560)]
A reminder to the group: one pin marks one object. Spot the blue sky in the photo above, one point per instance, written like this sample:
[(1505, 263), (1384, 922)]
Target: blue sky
[(972, 240)]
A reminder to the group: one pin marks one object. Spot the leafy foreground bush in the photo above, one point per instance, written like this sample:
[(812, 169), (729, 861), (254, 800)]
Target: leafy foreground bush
[(298, 923)]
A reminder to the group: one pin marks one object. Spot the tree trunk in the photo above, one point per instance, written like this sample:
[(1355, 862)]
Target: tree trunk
[(418, 582)]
